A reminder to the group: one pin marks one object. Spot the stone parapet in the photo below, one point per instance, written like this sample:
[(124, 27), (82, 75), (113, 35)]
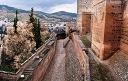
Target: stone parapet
[(82, 57)]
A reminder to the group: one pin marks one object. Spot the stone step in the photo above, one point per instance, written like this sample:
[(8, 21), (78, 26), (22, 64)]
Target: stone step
[(28, 71)]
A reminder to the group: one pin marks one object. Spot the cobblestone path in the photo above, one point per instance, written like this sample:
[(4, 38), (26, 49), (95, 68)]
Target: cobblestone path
[(65, 65), (72, 66), (56, 71)]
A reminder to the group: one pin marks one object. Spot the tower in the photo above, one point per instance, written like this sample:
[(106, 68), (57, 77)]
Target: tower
[(107, 24), (83, 6)]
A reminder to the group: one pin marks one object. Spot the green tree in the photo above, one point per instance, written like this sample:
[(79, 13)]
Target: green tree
[(32, 19), (15, 22), (38, 34), (35, 29)]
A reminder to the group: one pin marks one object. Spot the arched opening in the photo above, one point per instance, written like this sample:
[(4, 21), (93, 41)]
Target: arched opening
[(61, 36)]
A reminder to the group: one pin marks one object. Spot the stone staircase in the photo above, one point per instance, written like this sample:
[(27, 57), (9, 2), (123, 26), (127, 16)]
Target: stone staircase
[(27, 74)]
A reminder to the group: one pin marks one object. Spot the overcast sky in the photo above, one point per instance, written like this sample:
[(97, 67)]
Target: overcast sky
[(43, 5)]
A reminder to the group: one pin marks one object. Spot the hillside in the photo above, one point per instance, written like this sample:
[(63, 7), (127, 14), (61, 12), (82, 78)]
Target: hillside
[(9, 12)]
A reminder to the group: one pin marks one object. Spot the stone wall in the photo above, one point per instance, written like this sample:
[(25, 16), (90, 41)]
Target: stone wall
[(110, 34), (86, 23), (82, 6), (71, 25), (108, 25), (42, 67), (82, 57), (119, 64), (98, 27), (79, 15), (124, 31), (106, 32)]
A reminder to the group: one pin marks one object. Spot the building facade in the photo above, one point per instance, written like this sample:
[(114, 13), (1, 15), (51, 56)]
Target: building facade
[(108, 24), (82, 6)]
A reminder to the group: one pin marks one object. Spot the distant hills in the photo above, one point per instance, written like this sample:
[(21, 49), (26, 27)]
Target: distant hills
[(9, 12)]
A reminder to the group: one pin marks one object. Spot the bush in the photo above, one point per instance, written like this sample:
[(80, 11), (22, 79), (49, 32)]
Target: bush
[(5, 67), (47, 37)]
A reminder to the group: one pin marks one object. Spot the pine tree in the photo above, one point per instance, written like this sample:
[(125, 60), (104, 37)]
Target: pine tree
[(15, 22)]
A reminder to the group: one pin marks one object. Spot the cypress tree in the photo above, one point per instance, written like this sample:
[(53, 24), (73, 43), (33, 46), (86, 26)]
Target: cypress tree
[(35, 29), (32, 19), (15, 22), (38, 34)]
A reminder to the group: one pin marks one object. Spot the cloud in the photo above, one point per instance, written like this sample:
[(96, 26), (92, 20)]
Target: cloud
[(40, 5), (64, 7)]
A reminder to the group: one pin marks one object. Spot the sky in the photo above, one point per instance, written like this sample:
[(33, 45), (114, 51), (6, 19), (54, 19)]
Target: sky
[(48, 6)]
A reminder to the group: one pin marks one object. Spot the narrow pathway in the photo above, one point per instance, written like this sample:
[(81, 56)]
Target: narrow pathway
[(72, 68), (56, 70), (65, 65)]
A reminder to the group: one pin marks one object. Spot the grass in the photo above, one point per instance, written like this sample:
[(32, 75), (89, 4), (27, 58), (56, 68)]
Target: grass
[(86, 42), (98, 71), (102, 73)]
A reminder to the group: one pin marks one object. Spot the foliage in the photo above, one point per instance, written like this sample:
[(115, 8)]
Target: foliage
[(32, 19), (35, 29), (5, 65), (18, 47), (85, 40), (47, 37), (15, 22), (38, 35)]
